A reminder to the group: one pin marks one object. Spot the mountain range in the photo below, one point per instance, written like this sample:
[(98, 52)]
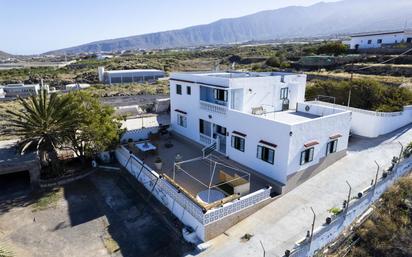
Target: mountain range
[(322, 19)]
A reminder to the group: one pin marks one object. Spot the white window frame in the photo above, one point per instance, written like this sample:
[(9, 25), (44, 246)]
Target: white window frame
[(284, 93), (306, 156), (259, 154), (241, 145), (178, 89), (332, 143), (182, 120)]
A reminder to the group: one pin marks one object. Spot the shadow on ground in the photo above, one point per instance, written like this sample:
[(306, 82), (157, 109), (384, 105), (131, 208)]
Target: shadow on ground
[(358, 143), (138, 228), (129, 226)]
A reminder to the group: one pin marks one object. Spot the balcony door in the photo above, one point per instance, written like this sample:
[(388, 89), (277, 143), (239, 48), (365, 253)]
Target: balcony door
[(219, 134)]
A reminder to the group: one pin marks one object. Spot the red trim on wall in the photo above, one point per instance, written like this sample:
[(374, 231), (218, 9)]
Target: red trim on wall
[(267, 143), (311, 143), (182, 112)]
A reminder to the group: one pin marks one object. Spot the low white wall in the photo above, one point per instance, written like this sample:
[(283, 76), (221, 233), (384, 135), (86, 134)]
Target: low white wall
[(373, 124), (138, 134), (327, 233)]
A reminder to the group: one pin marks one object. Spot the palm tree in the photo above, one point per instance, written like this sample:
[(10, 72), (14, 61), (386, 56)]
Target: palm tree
[(43, 123)]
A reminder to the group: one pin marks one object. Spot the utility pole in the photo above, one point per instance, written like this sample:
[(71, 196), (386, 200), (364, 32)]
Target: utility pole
[(351, 83), (376, 176), (313, 225), (264, 251), (350, 191)]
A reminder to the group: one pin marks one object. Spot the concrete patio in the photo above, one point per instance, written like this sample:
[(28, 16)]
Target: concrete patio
[(200, 170)]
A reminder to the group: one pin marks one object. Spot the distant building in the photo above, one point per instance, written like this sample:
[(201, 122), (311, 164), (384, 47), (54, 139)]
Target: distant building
[(103, 56), (2, 94), (378, 39), (129, 76), (76, 86), (13, 90)]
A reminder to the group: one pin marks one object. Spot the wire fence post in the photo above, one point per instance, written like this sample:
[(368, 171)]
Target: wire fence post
[(348, 200)]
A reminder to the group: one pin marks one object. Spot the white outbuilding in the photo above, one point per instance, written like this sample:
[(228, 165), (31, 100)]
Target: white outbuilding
[(378, 39), (129, 76)]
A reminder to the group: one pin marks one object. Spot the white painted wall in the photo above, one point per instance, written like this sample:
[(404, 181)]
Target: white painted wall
[(386, 39), (320, 129), (373, 124), (287, 152)]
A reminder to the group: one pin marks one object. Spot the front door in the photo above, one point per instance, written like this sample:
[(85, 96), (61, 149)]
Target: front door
[(219, 133)]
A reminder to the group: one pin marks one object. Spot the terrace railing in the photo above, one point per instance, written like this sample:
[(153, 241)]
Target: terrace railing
[(213, 107)]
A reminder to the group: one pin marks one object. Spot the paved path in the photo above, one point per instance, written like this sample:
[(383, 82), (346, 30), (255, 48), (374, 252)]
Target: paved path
[(285, 221)]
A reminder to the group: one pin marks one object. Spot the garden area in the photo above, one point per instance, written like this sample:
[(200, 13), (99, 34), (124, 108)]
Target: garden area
[(67, 131)]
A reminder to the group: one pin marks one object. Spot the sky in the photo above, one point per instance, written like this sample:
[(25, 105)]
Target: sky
[(37, 26)]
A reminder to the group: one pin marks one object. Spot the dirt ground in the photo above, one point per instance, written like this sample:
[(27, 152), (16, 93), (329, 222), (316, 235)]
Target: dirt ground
[(102, 215)]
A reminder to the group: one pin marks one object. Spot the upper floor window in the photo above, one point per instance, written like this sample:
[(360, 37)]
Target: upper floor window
[(238, 143), (182, 120), (284, 93), (178, 89), (220, 95), (331, 147), (265, 154), (188, 90), (379, 41), (307, 156), (369, 41)]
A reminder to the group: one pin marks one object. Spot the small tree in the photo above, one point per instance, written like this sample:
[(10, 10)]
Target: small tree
[(43, 123), (97, 130), (335, 48)]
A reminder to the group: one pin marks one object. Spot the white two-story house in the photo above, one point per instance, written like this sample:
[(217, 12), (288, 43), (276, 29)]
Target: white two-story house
[(261, 121)]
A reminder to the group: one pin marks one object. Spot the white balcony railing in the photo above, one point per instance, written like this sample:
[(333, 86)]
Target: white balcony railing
[(205, 139), (213, 107)]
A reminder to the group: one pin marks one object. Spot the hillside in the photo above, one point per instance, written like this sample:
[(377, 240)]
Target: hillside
[(4, 55), (322, 19)]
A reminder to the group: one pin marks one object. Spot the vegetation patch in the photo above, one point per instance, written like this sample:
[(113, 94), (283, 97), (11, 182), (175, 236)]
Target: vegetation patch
[(48, 200), (366, 94)]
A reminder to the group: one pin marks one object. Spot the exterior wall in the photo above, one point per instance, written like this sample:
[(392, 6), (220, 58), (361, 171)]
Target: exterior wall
[(378, 123), (112, 77), (289, 148), (265, 91), (320, 130), (138, 134), (216, 228), (21, 90), (386, 39)]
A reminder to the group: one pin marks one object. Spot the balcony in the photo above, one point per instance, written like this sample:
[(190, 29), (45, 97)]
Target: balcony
[(221, 109), (205, 140)]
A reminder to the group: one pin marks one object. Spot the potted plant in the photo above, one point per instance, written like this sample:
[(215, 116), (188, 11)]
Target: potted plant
[(130, 142), (158, 163)]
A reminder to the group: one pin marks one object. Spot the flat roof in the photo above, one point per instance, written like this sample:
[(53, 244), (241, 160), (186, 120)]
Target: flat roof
[(134, 70), (20, 85), (229, 74), (289, 117), (377, 33), (238, 74)]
